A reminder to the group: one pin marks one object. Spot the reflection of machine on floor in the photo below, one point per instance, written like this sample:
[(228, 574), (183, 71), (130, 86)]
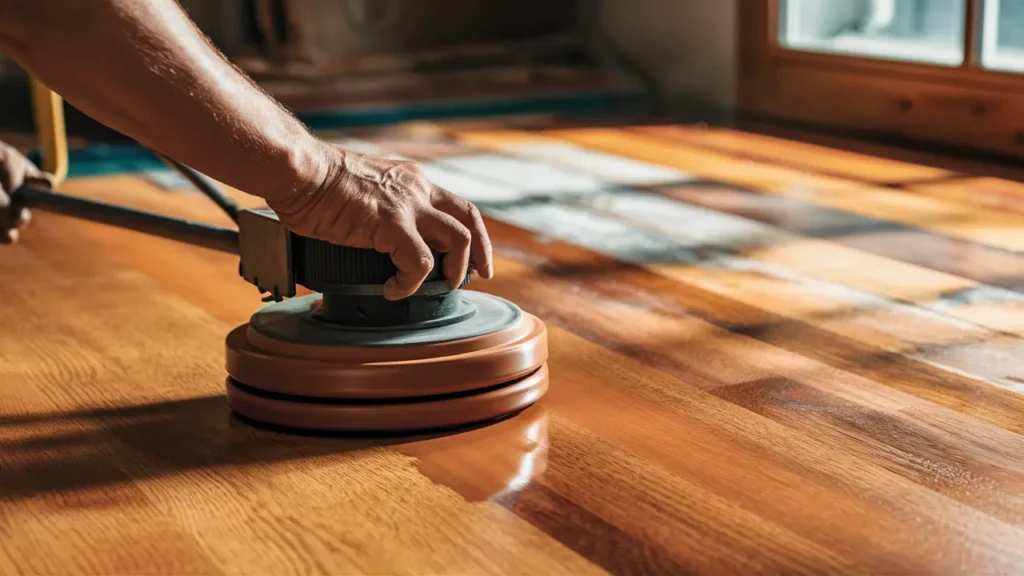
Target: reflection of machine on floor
[(344, 358)]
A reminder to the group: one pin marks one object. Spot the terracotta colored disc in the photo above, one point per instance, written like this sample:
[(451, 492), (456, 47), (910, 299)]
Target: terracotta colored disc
[(402, 416), (347, 372), (290, 369)]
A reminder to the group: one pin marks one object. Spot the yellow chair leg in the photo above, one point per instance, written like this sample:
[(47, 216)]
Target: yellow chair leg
[(51, 131)]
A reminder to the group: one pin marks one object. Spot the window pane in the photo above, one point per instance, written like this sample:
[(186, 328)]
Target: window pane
[(930, 31), (1002, 35)]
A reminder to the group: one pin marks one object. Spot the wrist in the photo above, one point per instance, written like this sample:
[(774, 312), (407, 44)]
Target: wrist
[(306, 163)]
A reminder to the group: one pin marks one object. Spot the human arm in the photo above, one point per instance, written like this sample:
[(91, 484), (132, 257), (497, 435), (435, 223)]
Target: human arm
[(144, 69)]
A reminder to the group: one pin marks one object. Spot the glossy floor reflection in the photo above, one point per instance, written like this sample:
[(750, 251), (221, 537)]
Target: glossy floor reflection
[(487, 461)]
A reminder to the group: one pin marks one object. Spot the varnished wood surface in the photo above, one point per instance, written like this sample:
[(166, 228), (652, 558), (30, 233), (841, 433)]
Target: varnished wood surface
[(765, 357)]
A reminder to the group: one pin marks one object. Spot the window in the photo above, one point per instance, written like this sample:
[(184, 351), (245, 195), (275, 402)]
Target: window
[(942, 70), (1003, 35), (929, 31)]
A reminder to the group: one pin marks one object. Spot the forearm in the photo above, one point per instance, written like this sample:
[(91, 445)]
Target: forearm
[(144, 69)]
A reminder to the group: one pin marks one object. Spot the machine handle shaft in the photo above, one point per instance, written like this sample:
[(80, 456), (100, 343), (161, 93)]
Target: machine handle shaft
[(187, 231)]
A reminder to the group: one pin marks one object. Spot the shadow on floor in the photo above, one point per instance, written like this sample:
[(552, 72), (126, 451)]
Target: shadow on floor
[(55, 453)]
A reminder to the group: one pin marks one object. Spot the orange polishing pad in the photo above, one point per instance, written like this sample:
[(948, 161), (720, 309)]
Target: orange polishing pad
[(362, 364)]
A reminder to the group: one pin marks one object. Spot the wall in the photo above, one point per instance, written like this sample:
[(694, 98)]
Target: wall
[(691, 46), (415, 24), (221, 20)]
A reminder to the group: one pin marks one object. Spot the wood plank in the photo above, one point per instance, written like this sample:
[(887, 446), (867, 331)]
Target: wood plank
[(926, 330), (954, 180), (894, 240), (990, 284), (952, 390), (112, 528), (420, 147), (988, 227), (635, 405), (935, 156), (922, 248), (694, 352), (668, 513), (985, 191), (802, 156)]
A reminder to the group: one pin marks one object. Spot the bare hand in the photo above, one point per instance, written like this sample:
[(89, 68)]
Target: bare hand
[(15, 170), (390, 206)]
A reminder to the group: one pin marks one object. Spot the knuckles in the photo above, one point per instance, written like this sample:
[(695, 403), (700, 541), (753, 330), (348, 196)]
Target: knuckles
[(384, 206), (473, 212), (413, 168), (424, 265), (462, 234)]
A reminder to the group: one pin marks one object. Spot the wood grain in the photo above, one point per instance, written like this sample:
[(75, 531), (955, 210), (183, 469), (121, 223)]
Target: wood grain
[(798, 155), (712, 408), (808, 278), (989, 192), (776, 263), (943, 178), (985, 226)]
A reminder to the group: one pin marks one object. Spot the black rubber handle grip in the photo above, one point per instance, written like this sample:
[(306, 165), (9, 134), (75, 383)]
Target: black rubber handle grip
[(187, 231), (326, 267)]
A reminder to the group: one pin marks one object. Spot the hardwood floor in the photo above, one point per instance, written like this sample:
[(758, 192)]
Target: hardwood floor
[(766, 356)]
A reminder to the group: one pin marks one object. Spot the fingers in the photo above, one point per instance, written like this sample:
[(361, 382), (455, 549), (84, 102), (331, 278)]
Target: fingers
[(469, 216), (16, 168), (445, 234), (23, 218), (392, 207), (9, 222), (411, 256), (31, 172), (10, 232), (19, 220)]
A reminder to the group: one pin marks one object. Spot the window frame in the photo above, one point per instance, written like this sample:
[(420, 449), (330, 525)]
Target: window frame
[(964, 105)]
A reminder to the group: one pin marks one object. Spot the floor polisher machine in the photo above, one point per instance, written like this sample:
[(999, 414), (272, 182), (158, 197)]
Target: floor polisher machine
[(342, 358)]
